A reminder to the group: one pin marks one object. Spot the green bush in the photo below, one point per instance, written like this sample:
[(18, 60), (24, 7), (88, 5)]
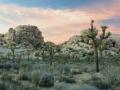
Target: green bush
[(82, 87), (64, 86), (97, 76), (2, 86), (22, 76), (100, 81), (42, 79), (61, 86), (64, 69), (112, 75), (76, 71), (6, 85), (36, 78), (6, 77), (66, 79), (47, 80)]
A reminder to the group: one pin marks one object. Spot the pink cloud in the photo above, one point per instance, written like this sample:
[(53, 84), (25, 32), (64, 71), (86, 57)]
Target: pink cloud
[(56, 24)]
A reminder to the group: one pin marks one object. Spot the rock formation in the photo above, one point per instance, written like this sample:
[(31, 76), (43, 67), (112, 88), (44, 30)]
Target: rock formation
[(26, 35)]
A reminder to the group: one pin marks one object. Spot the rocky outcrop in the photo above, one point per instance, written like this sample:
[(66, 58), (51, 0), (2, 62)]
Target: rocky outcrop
[(26, 35), (2, 39), (75, 44)]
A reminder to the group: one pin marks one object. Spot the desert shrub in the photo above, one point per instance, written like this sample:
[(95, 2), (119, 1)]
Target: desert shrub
[(25, 65), (2, 86), (64, 86), (6, 77), (14, 86), (97, 76), (47, 80), (8, 86), (101, 84), (15, 66), (36, 78), (82, 87), (112, 74), (66, 79), (30, 88), (4, 66), (64, 69), (40, 66), (88, 67), (75, 71), (100, 81), (84, 68), (22, 76), (113, 58), (61, 86), (42, 79), (9, 66)]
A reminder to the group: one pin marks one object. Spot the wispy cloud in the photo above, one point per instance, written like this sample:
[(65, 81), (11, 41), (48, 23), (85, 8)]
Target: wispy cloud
[(56, 24), (50, 21)]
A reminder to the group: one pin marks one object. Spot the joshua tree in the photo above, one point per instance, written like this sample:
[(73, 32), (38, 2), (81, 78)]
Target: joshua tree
[(51, 49), (43, 53), (37, 54), (103, 40), (19, 57), (22, 53), (28, 53), (8, 55), (98, 43), (11, 35), (91, 34), (12, 47)]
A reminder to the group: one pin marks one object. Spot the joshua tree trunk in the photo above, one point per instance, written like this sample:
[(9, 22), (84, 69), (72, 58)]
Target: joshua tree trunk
[(51, 57), (28, 57), (96, 56), (97, 60), (43, 55), (13, 55), (51, 60), (101, 55), (100, 49)]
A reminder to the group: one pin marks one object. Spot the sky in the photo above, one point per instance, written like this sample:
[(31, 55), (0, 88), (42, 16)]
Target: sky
[(58, 20)]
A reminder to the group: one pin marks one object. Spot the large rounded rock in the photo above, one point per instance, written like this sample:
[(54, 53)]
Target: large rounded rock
[(30, 35), (26, 35)]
